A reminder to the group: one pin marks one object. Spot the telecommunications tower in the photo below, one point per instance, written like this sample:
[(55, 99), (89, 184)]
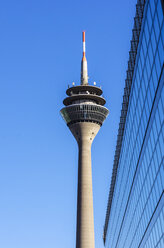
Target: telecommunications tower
[(84, 113)]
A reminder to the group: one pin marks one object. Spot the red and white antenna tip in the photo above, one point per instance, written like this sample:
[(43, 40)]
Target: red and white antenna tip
[(83, 36), (84, 45), (84, 70)]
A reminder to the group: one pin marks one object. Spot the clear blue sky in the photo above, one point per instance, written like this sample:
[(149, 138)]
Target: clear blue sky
[(40, 54)]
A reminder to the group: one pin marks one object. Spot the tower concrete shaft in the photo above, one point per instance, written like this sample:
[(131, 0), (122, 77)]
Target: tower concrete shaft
[(84, 133), (84, 114)]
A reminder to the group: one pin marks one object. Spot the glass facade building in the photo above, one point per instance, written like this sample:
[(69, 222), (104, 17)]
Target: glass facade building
[(135, 211)]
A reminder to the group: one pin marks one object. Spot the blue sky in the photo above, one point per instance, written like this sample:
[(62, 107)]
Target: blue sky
[(40, 54)]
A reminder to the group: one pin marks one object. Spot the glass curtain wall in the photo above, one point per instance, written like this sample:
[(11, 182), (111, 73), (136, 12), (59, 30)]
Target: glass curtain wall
[(136, 216)]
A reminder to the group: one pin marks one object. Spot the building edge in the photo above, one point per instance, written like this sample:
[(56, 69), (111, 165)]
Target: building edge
[(128, 82)]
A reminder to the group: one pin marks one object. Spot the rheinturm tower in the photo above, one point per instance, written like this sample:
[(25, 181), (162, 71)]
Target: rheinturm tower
[(84, 113)]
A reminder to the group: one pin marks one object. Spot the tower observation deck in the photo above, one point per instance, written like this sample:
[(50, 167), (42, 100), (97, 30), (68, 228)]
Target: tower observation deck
[(84, 113)]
